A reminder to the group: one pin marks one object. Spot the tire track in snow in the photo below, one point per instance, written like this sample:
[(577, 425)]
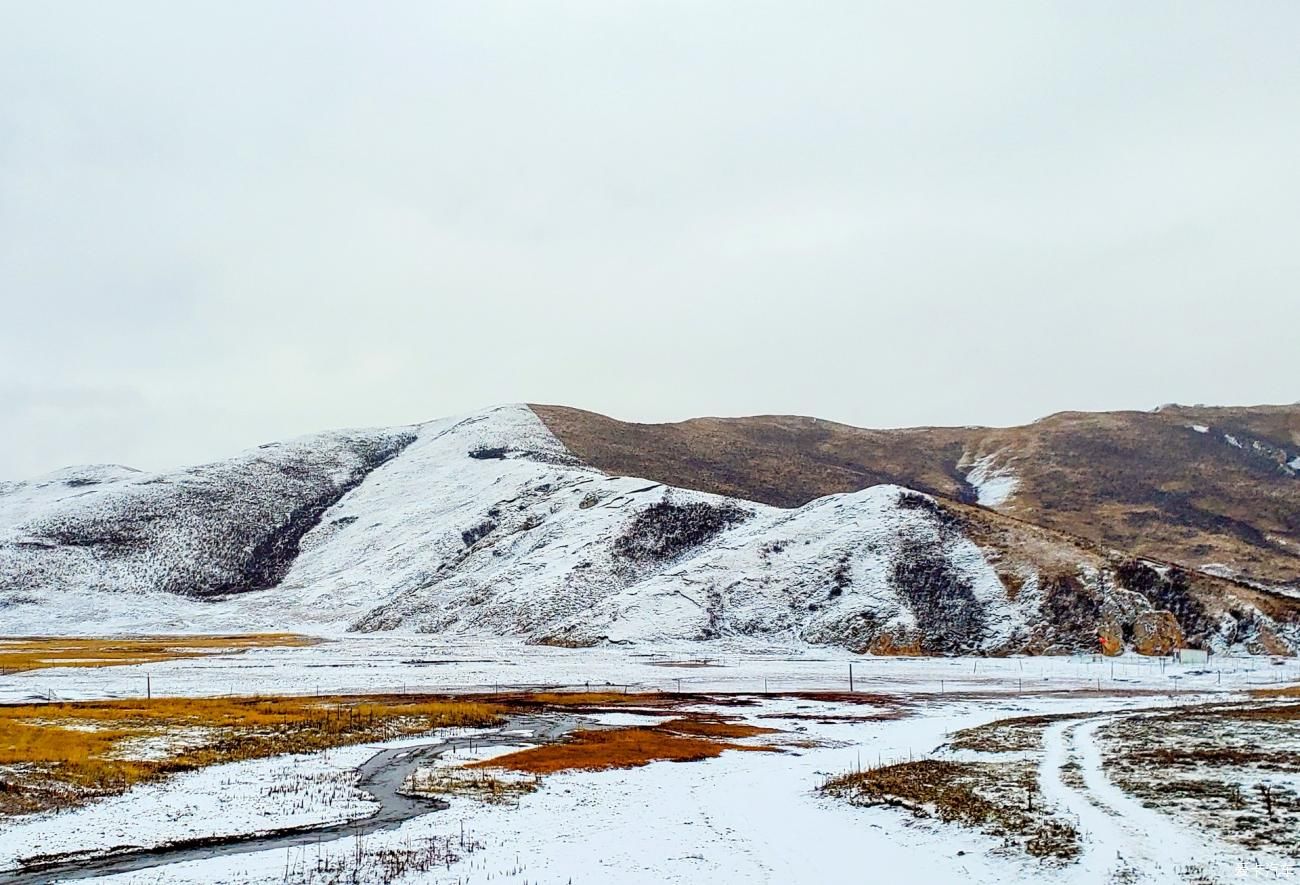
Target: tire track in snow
[(1099, 834), (1123, 841)]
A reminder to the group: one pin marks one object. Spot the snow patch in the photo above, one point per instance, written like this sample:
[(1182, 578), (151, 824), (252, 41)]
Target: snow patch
[(227, 799), (993, 485)]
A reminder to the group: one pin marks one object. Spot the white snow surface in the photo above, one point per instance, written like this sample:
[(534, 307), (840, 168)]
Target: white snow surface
[(741, 817), (363, 663), (237, 797)]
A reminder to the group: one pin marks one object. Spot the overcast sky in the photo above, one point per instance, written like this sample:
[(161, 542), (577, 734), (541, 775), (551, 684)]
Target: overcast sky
[(231, 222)]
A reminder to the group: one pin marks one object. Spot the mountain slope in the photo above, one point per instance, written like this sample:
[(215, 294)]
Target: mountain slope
[(489, 524), (202, 531), (1214, 488)]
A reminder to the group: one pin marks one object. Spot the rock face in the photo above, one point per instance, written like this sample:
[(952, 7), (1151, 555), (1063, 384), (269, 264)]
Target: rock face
[(488, 524), (1156, 633)]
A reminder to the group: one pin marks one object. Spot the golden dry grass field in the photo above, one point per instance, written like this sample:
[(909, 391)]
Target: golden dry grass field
[(54, 755), (20, 654)]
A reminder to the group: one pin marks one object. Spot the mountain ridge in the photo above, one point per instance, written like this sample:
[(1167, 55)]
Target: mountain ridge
[(1147, 482), (493, 523)]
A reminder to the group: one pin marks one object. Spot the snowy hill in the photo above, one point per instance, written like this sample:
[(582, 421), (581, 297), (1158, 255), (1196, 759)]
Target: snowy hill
[(202, 531), (488, 524), (1207, 488)]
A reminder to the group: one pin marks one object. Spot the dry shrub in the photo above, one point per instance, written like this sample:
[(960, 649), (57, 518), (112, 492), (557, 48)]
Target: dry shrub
[(1211, 756), (1019, 734), (1284, 713), (977, 795), (579, 699), (930, 785), (497, 788), (376, 861)]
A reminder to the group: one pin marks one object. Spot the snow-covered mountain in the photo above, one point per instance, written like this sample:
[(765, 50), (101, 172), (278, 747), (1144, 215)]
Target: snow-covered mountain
[(488, 524)]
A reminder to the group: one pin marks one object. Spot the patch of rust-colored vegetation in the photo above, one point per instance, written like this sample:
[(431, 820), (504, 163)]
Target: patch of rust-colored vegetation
[(1000, 799), (605, 701), (60, 755), (1286, 691), (36, 653), (678, 740)]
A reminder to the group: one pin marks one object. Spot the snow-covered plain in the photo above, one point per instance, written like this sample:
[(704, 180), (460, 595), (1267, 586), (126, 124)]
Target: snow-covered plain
[(742, 817), (756, 817), (382, 663), (238, 797)]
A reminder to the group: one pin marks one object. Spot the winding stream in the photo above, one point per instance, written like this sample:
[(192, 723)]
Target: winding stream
[(382, 776)]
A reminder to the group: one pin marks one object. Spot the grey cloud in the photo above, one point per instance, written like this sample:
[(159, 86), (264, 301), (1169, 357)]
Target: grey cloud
[(266, 219)]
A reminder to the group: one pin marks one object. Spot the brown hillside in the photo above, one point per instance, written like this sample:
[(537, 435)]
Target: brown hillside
[(1146, 482)]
